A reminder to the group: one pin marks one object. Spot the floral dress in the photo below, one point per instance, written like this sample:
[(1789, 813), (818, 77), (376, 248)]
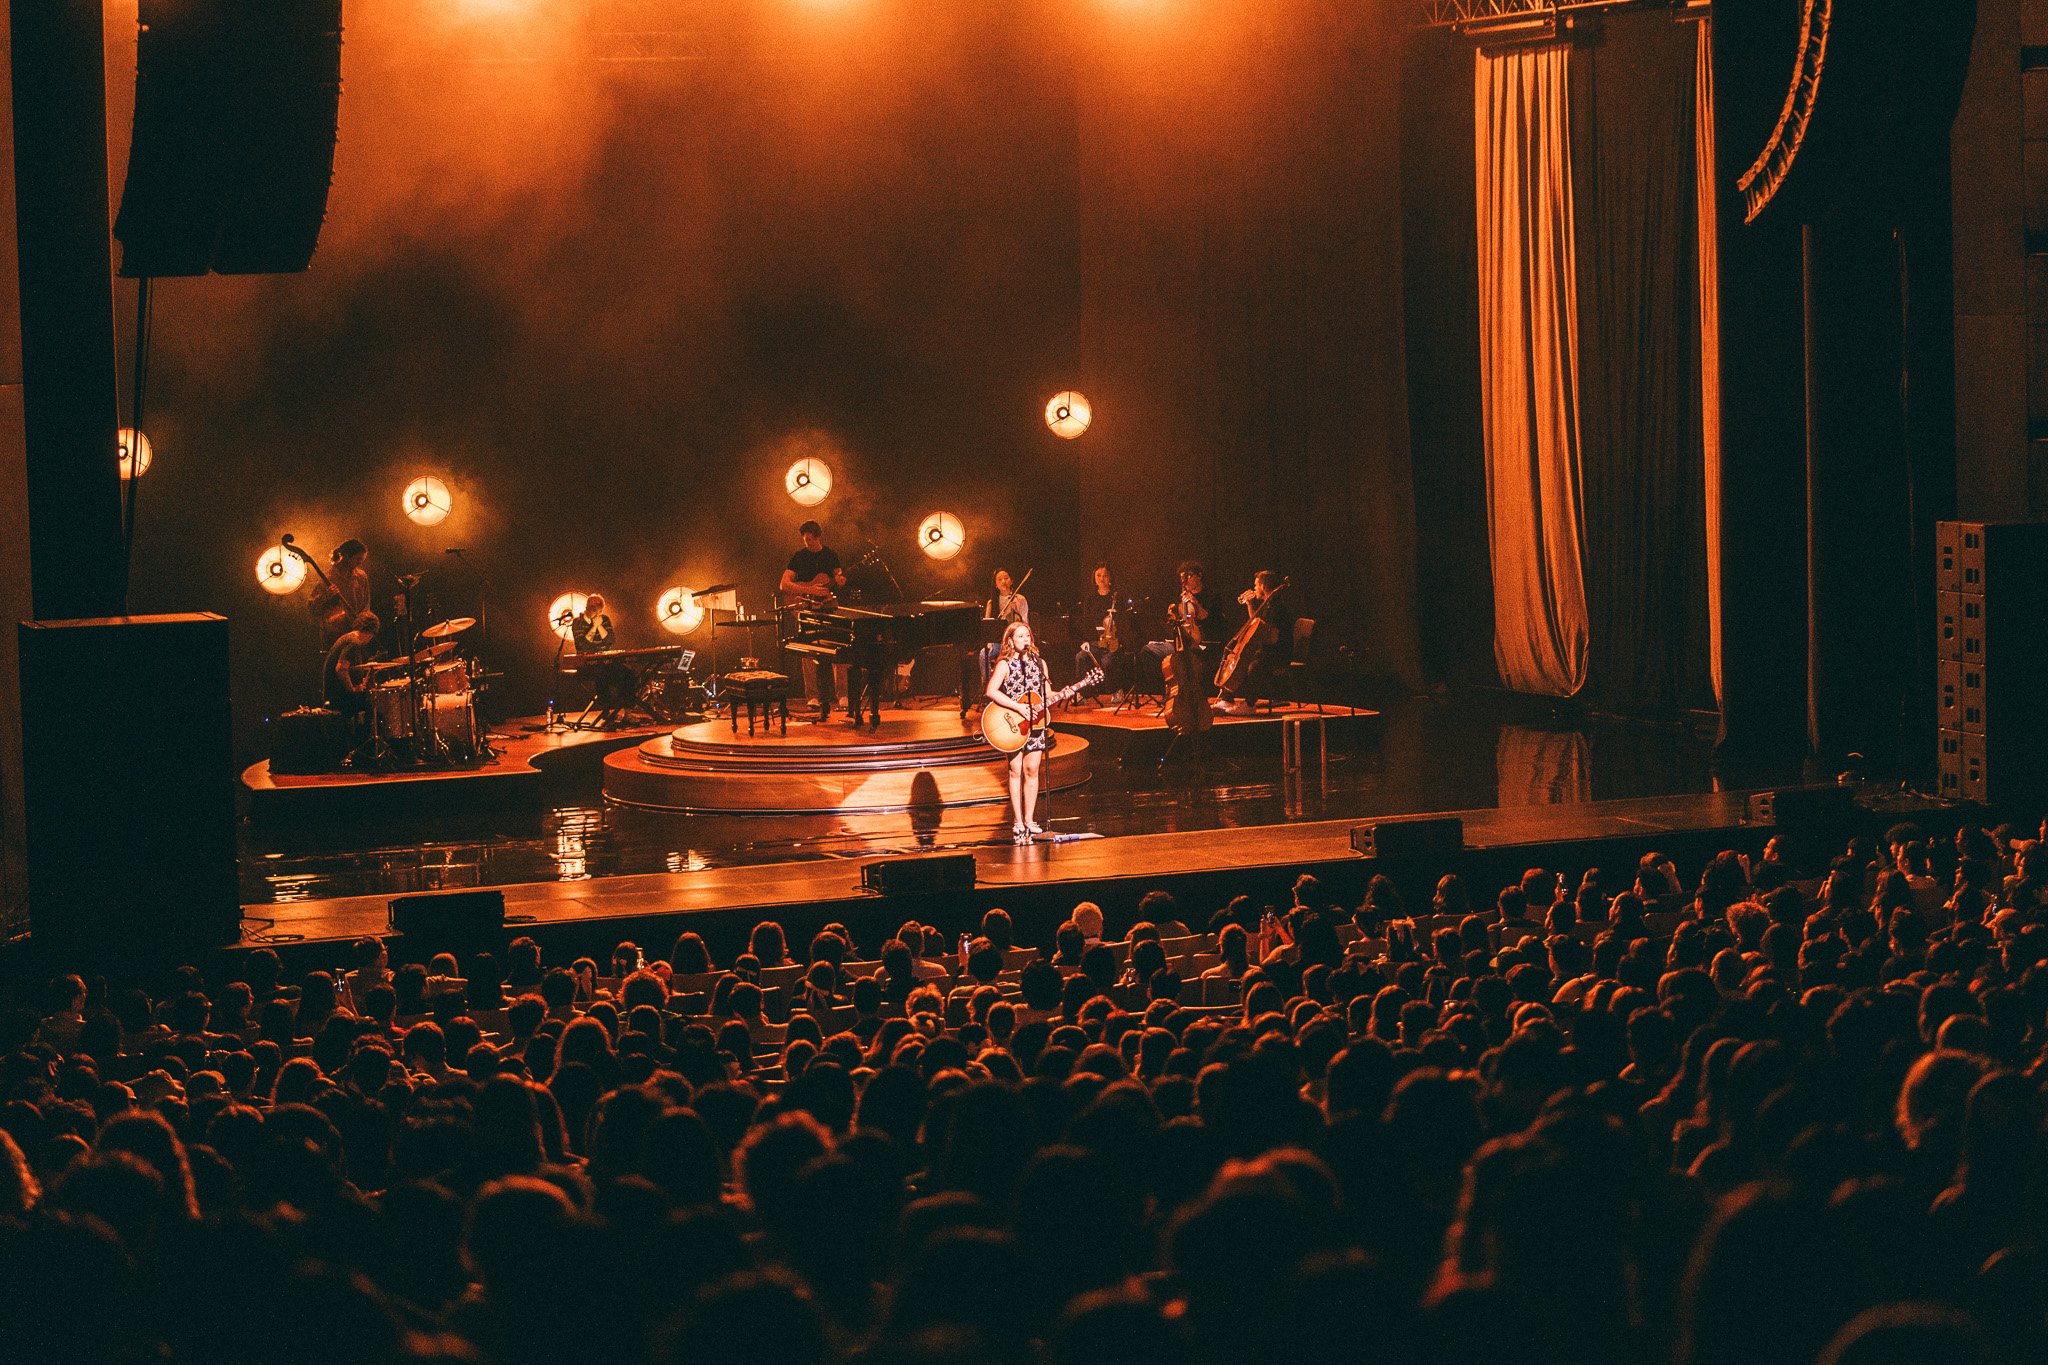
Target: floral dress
[(1027, 674)]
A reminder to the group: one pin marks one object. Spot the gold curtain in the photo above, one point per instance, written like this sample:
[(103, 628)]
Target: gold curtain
[(1528, 335)]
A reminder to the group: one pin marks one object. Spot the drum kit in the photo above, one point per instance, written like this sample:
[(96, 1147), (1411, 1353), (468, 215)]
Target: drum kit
[(423, 706)]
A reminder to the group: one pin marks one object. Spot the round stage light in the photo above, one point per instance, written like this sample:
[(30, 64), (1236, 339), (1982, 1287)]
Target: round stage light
[(563, 611), (427, 501), (134, 450), (280, 571), (1068, 414), (808, 481), (679, 611), (941, 535)]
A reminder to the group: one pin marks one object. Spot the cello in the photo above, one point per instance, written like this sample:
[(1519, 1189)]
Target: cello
[(1245, 646)]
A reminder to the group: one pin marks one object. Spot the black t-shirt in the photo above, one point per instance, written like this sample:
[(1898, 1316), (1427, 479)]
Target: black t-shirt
[(1277, 612), (806, 565), (1215, 630)]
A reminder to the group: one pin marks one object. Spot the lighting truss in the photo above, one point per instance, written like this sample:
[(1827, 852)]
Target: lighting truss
[(1515, 17)]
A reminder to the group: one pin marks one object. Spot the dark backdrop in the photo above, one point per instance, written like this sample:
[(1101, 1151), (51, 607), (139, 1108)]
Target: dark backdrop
[(608, 302), (1241, 311)]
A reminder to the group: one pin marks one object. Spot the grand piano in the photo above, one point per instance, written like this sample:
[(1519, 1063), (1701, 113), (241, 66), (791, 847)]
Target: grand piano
[(871, 639)]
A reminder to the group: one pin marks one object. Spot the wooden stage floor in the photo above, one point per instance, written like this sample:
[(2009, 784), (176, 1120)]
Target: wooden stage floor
[(819, 888), (528, 752)]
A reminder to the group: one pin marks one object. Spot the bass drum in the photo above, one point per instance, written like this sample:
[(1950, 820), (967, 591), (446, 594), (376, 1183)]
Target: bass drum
[(388, 701), (455, 720)]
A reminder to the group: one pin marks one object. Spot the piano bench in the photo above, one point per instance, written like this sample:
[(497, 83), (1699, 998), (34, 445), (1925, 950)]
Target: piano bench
[(764, 694)]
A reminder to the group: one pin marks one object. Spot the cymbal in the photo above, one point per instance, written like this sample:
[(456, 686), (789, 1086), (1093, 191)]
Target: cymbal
[(434, 651), (455, 625), (715, 588), (383, 666)]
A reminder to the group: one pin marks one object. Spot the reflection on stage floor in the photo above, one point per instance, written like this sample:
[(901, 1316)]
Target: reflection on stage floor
[(1423, 755)]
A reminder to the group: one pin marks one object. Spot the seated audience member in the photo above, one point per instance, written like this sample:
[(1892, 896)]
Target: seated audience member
[(1602, 1142)]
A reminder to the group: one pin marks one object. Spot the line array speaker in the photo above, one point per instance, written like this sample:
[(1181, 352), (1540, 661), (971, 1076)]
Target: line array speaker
[(1992, 671), (236, 104)]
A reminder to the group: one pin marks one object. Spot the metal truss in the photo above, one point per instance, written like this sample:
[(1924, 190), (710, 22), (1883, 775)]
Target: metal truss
[(1532, 16)]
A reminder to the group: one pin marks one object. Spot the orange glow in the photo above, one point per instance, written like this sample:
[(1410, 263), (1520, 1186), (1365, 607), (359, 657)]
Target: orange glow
[(562, 614)]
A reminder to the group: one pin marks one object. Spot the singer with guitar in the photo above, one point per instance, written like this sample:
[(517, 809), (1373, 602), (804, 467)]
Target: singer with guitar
[(1019, 712), (815, 572)]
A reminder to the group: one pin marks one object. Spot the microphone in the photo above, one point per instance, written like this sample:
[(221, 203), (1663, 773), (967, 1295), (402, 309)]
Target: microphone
[(285, 539), (451, 552)]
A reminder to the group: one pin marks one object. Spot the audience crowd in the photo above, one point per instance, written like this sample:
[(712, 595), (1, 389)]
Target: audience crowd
[(1751, 1116)]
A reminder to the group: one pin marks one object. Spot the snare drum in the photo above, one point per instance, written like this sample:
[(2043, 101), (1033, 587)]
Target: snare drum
[(448, 677), (455, 719), (389, 702)]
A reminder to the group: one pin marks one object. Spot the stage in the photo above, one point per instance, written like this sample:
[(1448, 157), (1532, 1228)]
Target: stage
[(1204, 866), (580, 865), (923, 755), (530, 752)]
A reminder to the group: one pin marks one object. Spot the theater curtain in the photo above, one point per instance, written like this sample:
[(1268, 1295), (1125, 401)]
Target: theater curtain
[(1707, 221), (1528, 334), (1642, 485)]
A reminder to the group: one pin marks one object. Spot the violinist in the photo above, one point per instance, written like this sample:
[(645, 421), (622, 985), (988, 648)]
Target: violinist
[(1268, 634), (1194, 617), (1105, 633)]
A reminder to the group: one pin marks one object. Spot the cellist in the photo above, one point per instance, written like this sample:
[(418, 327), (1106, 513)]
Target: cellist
[(1269, 623)]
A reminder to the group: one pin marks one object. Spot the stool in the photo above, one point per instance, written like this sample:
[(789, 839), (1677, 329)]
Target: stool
[(1291, 727), (764, 694)]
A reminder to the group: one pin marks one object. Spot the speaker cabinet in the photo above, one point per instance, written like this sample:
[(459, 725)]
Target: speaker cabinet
[(128, 766), (1412, 838), (921, 874), (236, 104), (1992, 672), (460, 922)]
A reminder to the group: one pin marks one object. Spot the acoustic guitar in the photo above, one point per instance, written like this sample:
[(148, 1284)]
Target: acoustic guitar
[(1004, 729)]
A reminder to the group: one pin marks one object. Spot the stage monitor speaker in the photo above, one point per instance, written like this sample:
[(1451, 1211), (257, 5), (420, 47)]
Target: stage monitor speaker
[(236, 105), (458, 922), (128, 768), (1817, 821), (1411, 837), (921, 874)]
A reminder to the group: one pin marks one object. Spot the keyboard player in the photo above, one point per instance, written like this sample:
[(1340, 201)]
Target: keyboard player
[(616, 682)]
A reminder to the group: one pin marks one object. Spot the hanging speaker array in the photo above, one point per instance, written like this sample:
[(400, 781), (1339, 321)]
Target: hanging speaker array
[(236, 103)]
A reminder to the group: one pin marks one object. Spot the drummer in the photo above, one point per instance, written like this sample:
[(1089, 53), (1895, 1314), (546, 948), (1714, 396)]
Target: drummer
[(345, 674)]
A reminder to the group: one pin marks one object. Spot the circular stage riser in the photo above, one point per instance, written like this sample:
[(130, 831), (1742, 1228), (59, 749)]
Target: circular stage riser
[(915, 760)]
